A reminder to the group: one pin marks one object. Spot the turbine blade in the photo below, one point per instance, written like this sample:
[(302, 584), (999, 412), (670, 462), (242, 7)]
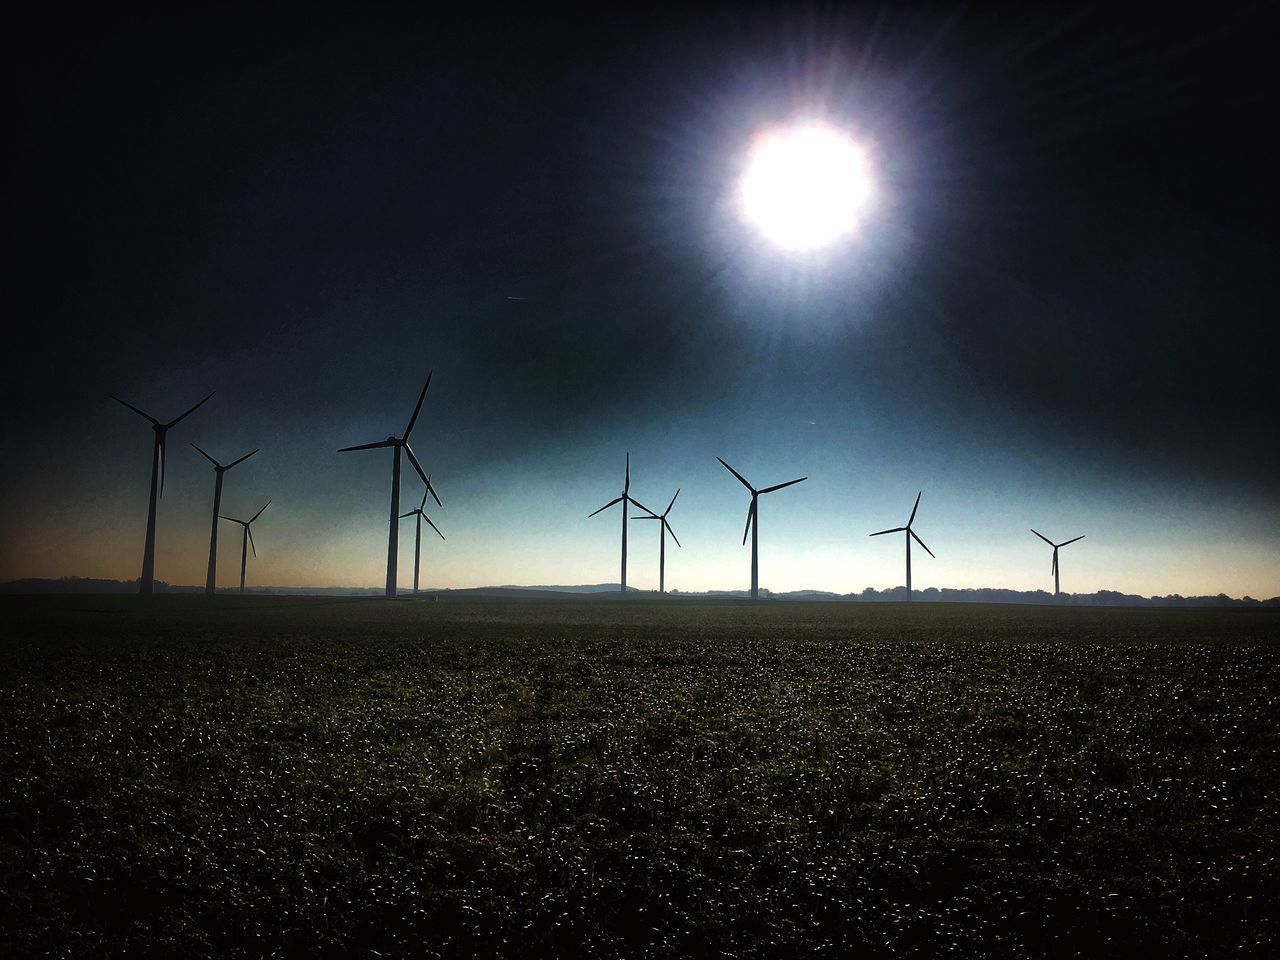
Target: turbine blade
[(670, 531), (184, 416), (232, 519), (914, 509), (921, 542), (145, 416), (160, 439), (242, 459), (252, 546), (1042, 537), (424, 500), (209, 458), (741, 478), (414, 419), (639, 517), (779, 486), (368, 446), (672, 503), (751, 515), (605, 507), (433, 526), (1054, 566), (881, 532), (423, 474), (417, 466), (626, 484), (409, 514), (1081, 537), (640, 505), (259, 513)]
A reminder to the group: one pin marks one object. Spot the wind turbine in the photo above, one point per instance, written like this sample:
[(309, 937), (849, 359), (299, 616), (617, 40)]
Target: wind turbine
[(662, 541), (398, 444), (753, 524), (210, 580), (909, 534), (246, 541), (624, 499), (1056, 590), (417, 537), (157, 474)]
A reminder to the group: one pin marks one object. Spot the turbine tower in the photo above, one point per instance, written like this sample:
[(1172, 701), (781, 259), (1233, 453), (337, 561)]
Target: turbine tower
[(1056, 589), (624, 499), (909, 534), (398, 444), (417, 537), (753, 524), (210, 580), (157, 475), (662, 541), (246, 541)]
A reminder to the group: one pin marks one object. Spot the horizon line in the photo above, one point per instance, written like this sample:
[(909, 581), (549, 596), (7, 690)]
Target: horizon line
[(870, 593)]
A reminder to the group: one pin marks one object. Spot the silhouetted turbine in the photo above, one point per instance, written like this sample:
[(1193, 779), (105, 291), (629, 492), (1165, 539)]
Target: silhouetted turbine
[(246, 541), (910, 533), (398, 444), (211, 577), (753, 524), (624, 499), (1056, 590), (417, 537), (157, 473), (662, 541)]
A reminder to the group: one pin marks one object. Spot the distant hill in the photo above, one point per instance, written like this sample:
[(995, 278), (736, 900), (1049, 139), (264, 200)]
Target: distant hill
[(90, 585), (73, 585), (610, 591), (1103, 598), (554, 588)]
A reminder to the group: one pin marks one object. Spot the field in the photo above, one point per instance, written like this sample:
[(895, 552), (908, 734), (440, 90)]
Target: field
[(330, 777)]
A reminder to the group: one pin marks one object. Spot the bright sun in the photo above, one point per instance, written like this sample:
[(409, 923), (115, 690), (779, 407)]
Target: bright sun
[(805, 186)]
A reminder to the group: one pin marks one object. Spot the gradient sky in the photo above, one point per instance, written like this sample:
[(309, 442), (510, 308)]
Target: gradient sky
[(1060, 313)]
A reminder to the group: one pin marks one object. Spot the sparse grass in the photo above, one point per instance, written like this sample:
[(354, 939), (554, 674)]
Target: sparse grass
[(298, 777)]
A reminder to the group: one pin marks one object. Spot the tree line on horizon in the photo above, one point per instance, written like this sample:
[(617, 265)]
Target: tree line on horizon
[(1100, 598)]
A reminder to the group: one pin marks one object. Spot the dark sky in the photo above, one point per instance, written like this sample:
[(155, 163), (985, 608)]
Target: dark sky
[(1070, 274)]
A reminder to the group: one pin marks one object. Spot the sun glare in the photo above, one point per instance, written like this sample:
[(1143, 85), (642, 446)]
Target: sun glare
[(805, 187)]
